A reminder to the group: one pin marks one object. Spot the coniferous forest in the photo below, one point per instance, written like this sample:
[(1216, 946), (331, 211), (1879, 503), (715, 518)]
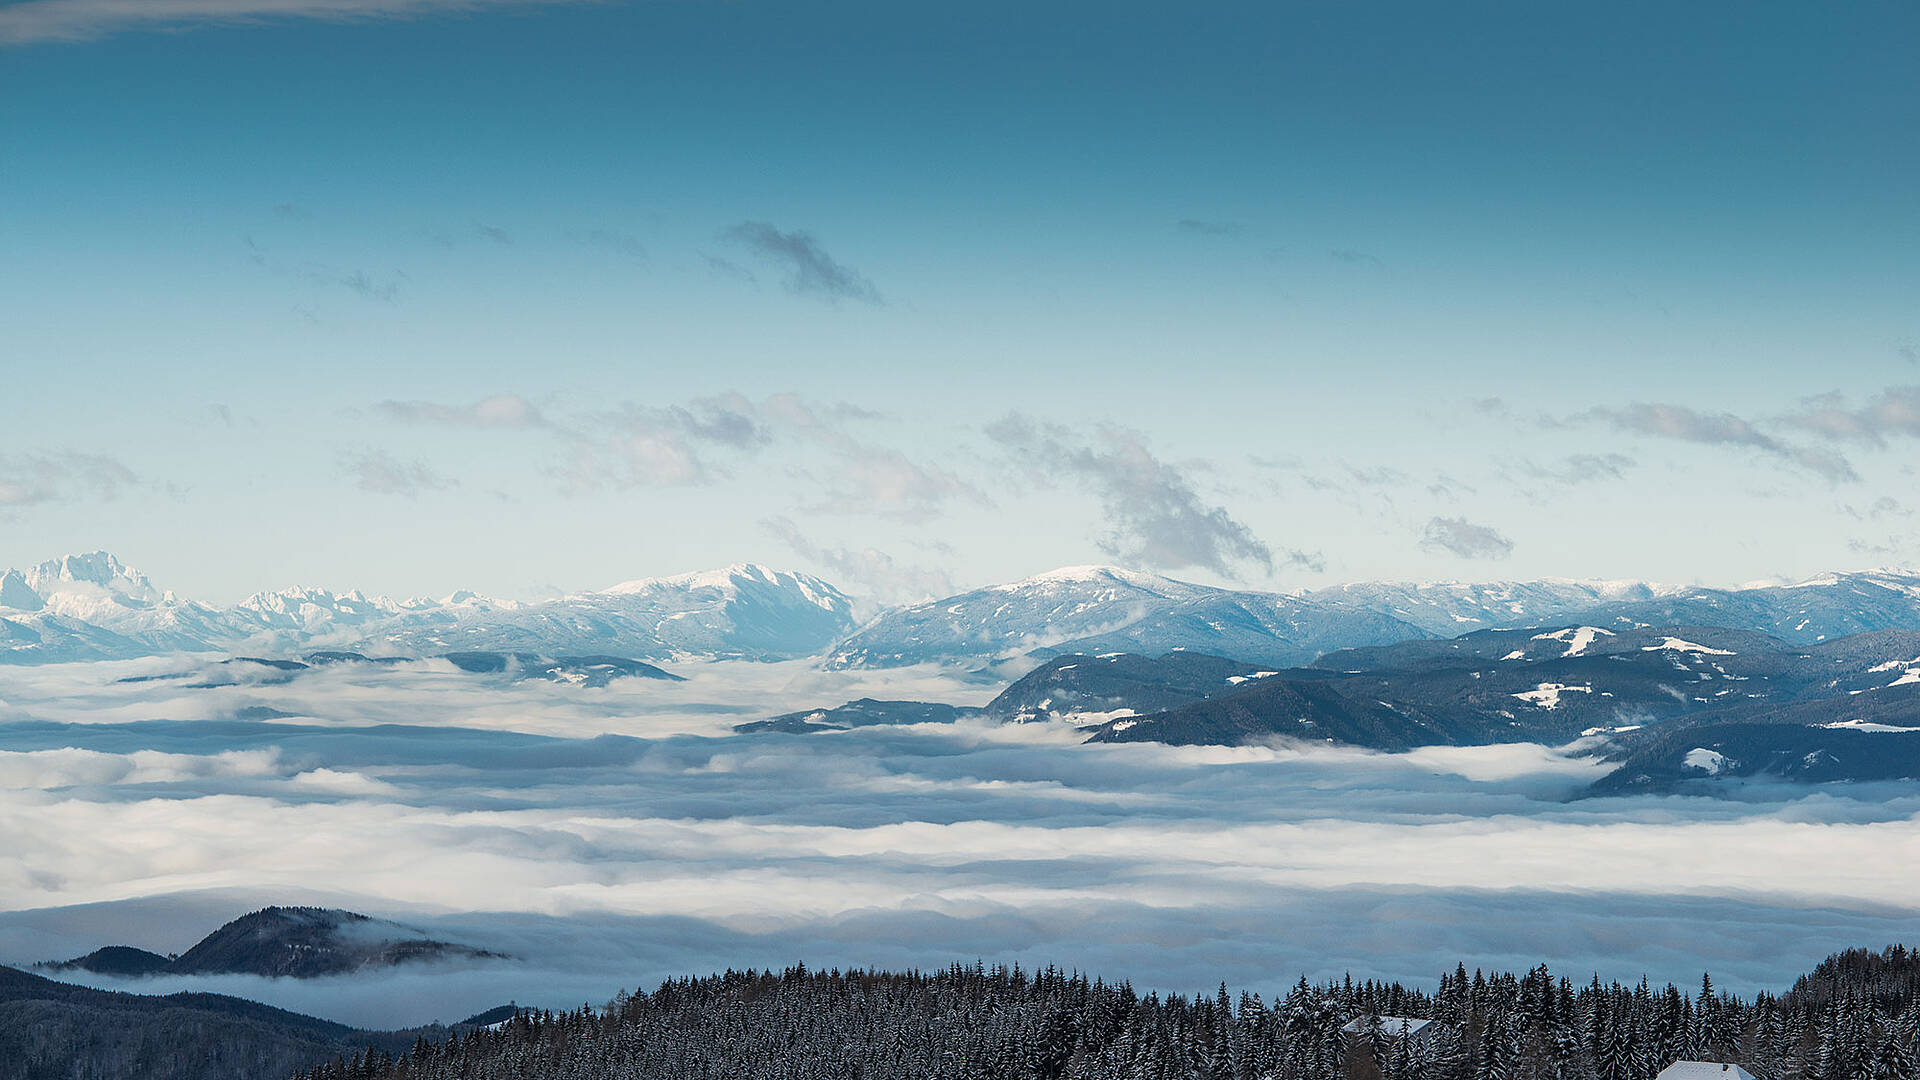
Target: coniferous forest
[(1852, 1018)]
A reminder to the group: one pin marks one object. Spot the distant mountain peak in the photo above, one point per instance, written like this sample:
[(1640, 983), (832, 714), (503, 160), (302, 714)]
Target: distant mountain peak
[(17, 595), (81, 586), (1068, 578), (736, 578), (718, 578)]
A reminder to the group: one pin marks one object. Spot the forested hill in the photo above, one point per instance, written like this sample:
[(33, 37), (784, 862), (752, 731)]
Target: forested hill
[(970, 1023), (58, 1031)]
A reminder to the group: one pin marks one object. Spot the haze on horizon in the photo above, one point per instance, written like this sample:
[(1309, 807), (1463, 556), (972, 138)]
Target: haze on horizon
[(532, 298)]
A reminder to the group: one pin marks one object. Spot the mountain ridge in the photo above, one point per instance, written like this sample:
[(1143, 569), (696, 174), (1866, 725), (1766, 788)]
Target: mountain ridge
[(94, 607)]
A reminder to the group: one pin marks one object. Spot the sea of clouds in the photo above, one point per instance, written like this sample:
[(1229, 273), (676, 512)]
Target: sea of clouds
[(608, 838)]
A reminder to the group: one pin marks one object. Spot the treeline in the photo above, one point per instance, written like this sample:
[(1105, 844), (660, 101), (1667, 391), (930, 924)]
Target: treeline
[(1854, 1018)]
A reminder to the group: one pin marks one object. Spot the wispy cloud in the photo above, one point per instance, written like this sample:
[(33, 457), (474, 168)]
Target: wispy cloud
[(368, 285), (809, 270), (1155, 515), (681, 444), (882, 480), (705, 440), (82, 20), (359, 282), (26, 479), (661, 446), (498, 411), (1206, 227), (1684, 424), (880, 574), (1891, 413), (1583, 468), (381, 473), (1458, 536)]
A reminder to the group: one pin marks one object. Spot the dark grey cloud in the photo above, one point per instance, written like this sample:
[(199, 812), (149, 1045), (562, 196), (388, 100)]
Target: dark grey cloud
[(82, 20), (1205, 227), (291, 211), (493, 233), (809, 270), (1891, 413), (27, 479), (882, 576), (1458, 536), (1155, 516), (381, 473), (1684, 424)]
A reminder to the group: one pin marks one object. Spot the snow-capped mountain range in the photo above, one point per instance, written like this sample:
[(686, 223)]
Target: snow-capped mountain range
[(92, 607)]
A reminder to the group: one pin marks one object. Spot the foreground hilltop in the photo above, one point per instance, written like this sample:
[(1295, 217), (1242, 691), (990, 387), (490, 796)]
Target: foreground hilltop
[(1854, 1013), (289, 942), (970, 1022), (54, 1029)]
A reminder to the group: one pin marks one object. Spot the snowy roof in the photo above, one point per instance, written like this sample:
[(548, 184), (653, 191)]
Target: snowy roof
[(1703, 1070), (1392, 1025)]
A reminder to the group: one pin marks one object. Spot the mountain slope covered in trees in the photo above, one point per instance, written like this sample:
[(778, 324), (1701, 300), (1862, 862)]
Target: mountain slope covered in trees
[(52, 1030), (1856, 1020)]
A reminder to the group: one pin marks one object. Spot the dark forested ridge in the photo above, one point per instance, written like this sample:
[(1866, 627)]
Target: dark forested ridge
[(52, 1030), (1854, 1018)]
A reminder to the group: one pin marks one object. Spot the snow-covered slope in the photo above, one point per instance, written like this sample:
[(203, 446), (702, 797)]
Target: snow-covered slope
[(1094, 609), (742, 612), (93, 607), (1818, 609), (89, 607), (1445, 609)]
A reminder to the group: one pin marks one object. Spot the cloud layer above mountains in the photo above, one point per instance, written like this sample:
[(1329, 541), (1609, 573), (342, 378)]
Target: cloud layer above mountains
[(624, 834)]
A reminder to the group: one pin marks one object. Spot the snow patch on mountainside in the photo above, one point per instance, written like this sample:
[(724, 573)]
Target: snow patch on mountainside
[(1578, 639), (1674, 644), (1712, 762), (1868, 725), (1547, 694)]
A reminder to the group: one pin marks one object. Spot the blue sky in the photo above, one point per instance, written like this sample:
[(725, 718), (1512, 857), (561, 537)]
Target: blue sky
[(414, 295)]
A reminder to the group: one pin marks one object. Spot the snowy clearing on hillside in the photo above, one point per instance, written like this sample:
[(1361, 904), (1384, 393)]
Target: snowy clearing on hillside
[(1674, 644), (1547, 695)]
